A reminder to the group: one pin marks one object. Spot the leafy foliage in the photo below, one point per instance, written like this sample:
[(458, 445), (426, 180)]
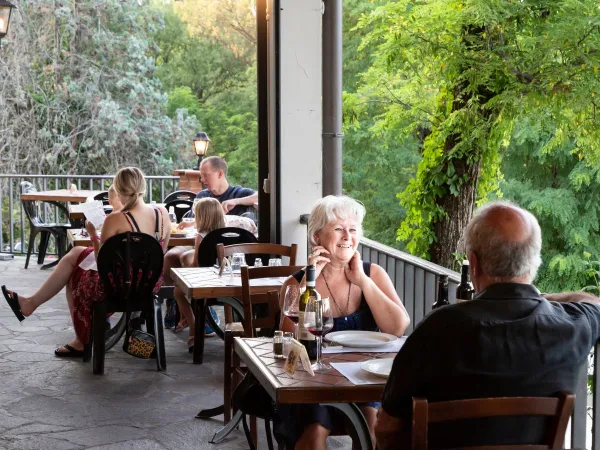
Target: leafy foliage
[(466, 72), (78, 93)]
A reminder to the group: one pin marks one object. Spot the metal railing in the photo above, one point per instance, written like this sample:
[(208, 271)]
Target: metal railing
[(14, 227)]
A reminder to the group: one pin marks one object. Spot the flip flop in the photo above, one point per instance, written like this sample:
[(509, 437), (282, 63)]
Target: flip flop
[(72, 353), (13, 302)]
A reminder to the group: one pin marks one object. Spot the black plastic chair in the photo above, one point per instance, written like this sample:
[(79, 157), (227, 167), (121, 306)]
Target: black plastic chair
[(180, 195), (103, 197), (207, 257), (180, 206), (129, 265), (38, 225)]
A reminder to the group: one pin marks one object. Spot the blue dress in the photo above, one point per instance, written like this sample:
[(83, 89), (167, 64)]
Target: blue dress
[(292, 420)]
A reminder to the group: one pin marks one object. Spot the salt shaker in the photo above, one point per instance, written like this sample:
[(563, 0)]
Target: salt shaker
[(287, 343), (278, 344)]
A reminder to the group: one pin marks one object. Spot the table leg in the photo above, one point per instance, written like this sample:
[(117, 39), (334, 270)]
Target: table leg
[(199, 313), (359, 428), (224, 432)]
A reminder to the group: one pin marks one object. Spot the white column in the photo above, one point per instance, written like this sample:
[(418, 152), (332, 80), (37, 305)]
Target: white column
[(300, 117)]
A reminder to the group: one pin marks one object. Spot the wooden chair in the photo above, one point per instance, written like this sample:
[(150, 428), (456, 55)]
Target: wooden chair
[(559, 408), (253, 251), (232, 371)]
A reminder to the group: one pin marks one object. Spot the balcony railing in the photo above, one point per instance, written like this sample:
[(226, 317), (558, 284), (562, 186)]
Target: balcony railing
[(14, 228)]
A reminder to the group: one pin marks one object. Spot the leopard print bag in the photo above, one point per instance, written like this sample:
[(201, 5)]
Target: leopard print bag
[(139, 344)]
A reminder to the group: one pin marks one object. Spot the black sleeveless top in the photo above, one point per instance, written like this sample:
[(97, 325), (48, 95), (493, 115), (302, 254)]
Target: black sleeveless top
[(361, 319)]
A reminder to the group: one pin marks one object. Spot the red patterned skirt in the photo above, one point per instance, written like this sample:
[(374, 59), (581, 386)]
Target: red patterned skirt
[(87, 289)]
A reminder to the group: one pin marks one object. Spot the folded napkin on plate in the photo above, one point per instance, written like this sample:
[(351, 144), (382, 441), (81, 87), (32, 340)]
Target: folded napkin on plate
[(391, 347), (356, 375)]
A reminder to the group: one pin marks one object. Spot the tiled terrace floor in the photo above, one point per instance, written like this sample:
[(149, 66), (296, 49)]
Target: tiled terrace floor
[(51, 403)]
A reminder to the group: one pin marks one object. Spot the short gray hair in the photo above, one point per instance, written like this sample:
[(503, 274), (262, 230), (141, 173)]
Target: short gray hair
[(498, 257), (334, 207)]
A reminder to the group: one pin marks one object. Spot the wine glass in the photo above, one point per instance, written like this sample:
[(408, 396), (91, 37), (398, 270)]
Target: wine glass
[(291, 305), (318, 320)]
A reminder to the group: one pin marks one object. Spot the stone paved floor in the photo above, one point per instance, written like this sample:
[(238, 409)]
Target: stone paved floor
[(51, 403)]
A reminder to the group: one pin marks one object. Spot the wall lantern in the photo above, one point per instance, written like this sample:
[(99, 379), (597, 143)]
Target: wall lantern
[(5, 11), (201, 142)]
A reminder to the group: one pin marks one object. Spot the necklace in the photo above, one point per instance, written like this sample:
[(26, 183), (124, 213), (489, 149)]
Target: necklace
[(345, 312)]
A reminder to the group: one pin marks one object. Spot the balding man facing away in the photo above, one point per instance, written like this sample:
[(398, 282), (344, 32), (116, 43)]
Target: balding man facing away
[(509, 341)]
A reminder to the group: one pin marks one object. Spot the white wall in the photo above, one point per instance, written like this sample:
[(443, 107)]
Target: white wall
[(300, 117)]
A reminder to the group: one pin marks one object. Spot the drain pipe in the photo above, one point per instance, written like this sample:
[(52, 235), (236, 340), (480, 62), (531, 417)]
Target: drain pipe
[(332, 97)]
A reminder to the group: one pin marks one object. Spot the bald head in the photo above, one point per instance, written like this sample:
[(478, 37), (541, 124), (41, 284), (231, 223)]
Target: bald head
[(506, 241)]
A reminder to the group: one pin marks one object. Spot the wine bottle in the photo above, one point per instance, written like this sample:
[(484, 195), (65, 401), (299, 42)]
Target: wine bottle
[(304, 336), (442, 294), (465, 291)]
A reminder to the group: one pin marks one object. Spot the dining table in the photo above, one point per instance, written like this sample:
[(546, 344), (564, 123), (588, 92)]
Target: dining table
[(202, 283), (76, 213), (329, 388), (78, 237), (61, 195)]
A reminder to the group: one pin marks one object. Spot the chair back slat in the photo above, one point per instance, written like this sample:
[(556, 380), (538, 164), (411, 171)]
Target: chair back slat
[(249, 299), (559, 408)]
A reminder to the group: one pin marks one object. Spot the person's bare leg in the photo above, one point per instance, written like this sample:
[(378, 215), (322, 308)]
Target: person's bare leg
[(314, 437), (370, 415), (186, 258), (185, 309), (57, 280), (171, 262), (75, 343)]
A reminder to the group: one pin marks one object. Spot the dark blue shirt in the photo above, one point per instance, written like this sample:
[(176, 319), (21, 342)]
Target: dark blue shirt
[(508, 341), (230, 193)]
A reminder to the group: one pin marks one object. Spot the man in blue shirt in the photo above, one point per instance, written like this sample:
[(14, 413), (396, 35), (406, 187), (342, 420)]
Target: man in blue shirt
[(510, 340), (236, 200)]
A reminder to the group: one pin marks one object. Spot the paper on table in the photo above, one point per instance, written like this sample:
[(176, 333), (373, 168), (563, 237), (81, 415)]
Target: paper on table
[(392, 347), (89, 263), (94, 212), (355, 374)]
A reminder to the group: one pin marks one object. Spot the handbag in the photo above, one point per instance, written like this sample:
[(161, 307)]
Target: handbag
[(139, 343)]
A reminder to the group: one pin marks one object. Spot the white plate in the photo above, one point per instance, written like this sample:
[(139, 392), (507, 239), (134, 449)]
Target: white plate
[(360, 339), (379, 367)]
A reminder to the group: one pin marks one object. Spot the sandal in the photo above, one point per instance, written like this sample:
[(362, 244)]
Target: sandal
[(13, 302), (71, 353), (182, 325)]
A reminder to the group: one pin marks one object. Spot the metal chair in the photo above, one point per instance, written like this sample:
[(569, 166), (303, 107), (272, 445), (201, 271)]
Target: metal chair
[(180, 206), (180, 195), (37, 225), (207, 257), (129, 266), (558, 409)]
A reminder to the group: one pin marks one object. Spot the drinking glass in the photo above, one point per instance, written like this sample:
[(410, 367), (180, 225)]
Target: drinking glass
[(188, 219), (237, 261), (291, 305), (318, 321), (275, 262), (258, 262)]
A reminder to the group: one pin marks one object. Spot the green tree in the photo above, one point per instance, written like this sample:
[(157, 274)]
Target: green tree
[(78, 91), (458, 75), (561, 190)]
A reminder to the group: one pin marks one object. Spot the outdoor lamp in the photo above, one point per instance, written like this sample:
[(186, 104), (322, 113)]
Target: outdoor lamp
[(201, 141), (5, 11)]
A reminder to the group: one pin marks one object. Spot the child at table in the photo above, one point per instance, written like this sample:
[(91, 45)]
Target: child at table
[(209, 216)]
